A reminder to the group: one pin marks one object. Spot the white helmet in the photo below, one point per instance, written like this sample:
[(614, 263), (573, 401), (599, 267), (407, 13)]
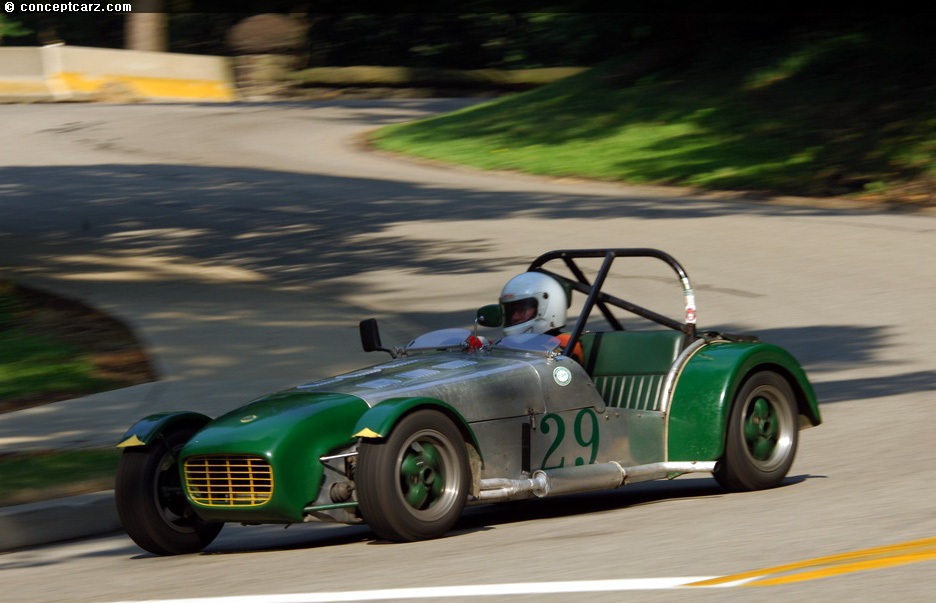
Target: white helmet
[(533, 303)]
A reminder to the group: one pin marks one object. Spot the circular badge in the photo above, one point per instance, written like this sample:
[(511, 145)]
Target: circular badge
[(562, 375)]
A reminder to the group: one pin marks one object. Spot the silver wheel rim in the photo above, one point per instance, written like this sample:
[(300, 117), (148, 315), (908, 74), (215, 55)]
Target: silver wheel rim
[(428, 475), (767, 428)]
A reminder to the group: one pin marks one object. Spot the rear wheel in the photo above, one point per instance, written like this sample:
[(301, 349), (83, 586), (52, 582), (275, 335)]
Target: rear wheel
[(151, 504), (763, 434), (413, 485)]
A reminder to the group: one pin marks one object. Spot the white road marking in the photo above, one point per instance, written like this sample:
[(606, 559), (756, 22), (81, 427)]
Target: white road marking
[(481, 590), (812, 569)]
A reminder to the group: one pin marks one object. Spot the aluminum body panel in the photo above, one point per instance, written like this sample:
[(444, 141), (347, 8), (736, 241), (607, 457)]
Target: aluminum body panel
[(501, 444), (497, 392), (566, 385), (482, 384)]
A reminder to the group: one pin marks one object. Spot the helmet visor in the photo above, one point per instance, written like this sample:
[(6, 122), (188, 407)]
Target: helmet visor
[(519, 311)]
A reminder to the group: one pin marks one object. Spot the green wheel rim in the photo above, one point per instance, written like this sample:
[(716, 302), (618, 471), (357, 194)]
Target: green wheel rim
[(767, 428), (428, 475)]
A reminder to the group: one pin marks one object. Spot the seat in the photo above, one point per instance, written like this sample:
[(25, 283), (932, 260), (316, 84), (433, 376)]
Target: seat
[(629, 367)]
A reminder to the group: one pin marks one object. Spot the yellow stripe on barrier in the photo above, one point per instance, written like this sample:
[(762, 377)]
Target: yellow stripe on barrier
[(18, 88), (146, 88), (57, 72), (832, 565)]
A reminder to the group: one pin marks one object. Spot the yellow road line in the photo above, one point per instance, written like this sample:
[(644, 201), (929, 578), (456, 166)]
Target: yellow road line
[(832, 565)]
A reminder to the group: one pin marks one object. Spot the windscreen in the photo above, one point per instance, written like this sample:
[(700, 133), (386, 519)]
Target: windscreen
[(528, 342)]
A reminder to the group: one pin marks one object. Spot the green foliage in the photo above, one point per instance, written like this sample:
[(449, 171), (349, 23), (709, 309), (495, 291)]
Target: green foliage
[(429, 77), (791, 112), (9, 304), (33, 363), (469, 40), (337, 37), (105, 30), (12, 29), (27, 477)]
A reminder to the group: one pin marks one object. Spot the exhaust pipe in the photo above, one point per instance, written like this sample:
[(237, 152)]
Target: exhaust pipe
[(587, 478), (501, 489), (653, 471)]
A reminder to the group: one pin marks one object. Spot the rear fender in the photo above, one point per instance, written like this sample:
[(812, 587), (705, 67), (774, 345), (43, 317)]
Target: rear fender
[(379, 420), (701, 402), (147, 430)]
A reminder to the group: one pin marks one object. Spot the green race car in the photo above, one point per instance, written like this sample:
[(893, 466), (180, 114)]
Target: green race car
[(454, 419)]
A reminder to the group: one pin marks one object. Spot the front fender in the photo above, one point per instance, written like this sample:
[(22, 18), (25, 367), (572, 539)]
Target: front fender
[(379, 420), (146, 430), (705, 390)]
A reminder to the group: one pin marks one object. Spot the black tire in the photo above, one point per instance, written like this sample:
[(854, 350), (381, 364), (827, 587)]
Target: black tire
[(414, 484), (763, 434), (151, 504)]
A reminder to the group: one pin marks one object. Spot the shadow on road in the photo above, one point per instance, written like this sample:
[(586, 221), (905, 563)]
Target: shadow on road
[(220, 231), (298, 228), (828, 348), (850, 390), (478, 518)]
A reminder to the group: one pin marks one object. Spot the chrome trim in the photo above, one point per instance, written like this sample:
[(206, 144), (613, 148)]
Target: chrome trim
[(335, 457), (669, 386)]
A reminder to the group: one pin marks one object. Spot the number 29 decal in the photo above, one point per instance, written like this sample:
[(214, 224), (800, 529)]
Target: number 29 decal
[(586, 437)]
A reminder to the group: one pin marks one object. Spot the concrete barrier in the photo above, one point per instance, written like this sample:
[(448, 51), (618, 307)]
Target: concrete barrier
[(75, 73), (22, 76)]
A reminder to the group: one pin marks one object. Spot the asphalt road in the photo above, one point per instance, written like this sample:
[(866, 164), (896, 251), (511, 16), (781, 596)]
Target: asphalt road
[(245, 241)]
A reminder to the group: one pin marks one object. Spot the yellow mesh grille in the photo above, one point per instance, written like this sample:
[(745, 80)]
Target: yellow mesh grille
[(227, 480)]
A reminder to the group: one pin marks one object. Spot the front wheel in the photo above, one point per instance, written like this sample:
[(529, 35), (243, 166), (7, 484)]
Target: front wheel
[(413, 485), (763, 434), (151, 504)]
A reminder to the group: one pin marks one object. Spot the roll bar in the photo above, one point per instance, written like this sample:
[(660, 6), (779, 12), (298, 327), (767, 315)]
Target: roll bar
[(595, 297)]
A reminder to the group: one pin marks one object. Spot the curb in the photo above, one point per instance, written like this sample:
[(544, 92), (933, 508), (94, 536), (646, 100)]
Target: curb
[(51, 521)]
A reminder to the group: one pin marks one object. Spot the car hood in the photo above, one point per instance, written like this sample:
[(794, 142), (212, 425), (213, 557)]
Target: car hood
[(276, 420), (481, 386)]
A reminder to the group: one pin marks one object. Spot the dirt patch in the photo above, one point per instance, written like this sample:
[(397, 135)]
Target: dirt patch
[(118, 358)]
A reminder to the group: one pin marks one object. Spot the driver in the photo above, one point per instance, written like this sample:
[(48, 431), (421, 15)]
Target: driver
[(536, 303)]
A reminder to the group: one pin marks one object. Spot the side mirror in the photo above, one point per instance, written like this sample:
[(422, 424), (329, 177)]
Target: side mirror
[(490, 316), (370, 337)]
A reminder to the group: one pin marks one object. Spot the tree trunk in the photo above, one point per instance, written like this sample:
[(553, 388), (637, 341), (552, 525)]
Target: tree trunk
[(146, 27)]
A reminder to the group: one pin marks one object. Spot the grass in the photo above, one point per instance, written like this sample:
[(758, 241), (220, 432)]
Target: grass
[(34, 476), (849, 113), (53, 349), (409, 77), (34, 362), (33, 365)]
